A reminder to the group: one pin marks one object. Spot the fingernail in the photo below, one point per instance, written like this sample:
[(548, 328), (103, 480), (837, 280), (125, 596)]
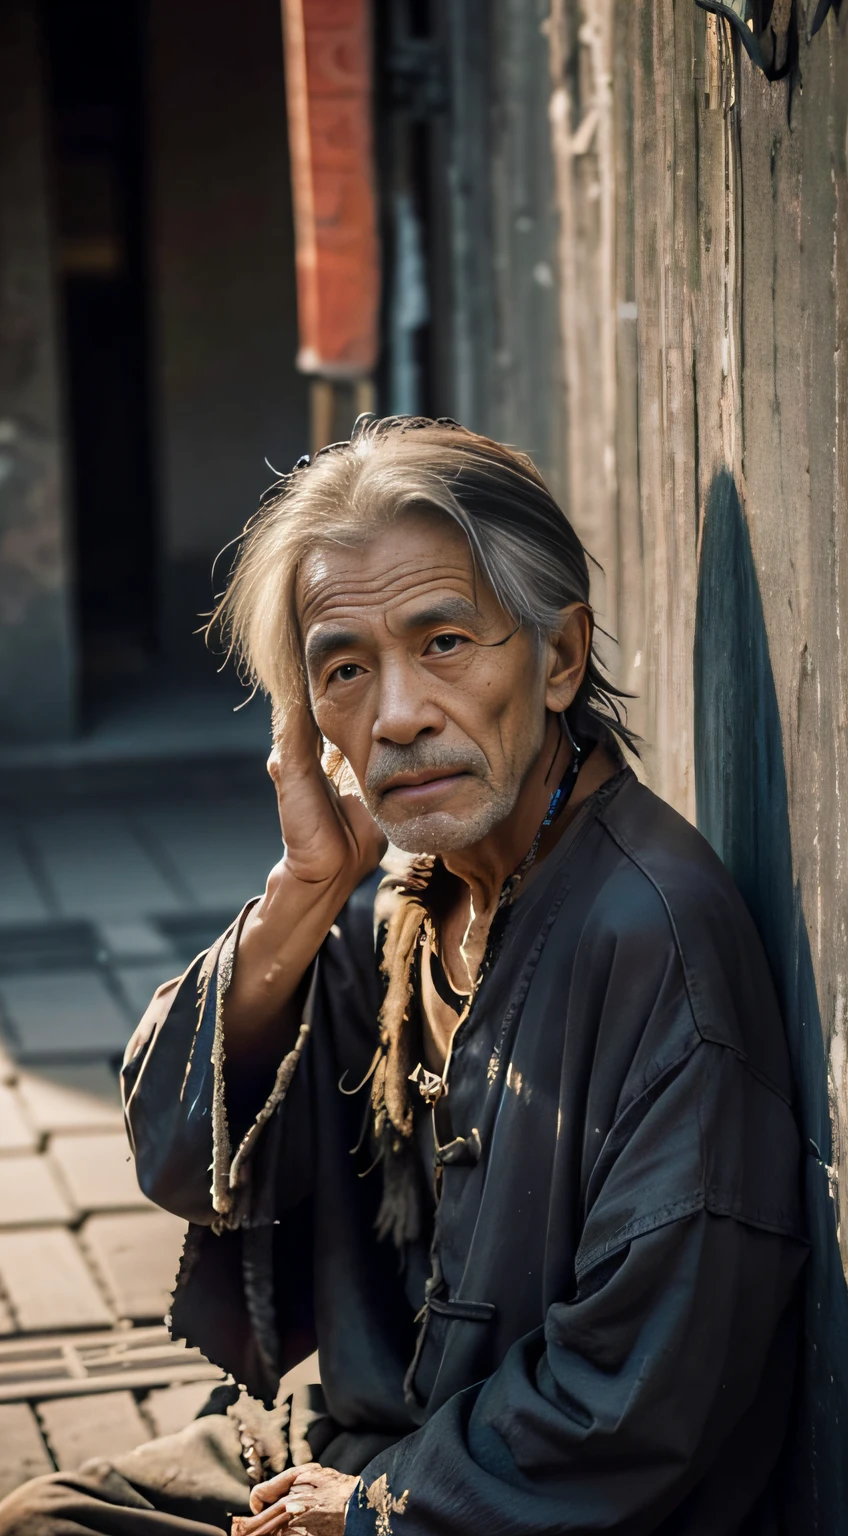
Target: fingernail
[(293, 1508)]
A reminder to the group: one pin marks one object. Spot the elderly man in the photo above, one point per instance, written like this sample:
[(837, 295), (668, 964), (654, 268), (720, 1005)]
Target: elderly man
[(512, 1143)]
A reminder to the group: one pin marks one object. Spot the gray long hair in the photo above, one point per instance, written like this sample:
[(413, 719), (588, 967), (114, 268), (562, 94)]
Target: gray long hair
[(522, 543)]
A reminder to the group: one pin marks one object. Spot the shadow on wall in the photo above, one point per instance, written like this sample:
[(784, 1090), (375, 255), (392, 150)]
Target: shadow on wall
[(743, 810)]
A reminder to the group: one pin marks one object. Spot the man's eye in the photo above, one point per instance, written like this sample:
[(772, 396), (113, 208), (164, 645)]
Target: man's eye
[(443, 645), (345, 673)]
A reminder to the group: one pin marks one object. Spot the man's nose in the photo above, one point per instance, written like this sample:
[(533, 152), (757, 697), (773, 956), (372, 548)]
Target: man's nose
[(405, 709)]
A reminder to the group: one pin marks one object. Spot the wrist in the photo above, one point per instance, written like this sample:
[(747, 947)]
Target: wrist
[(286, 928), (289, 884)]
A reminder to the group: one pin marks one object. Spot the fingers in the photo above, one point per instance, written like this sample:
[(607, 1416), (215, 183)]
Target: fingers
[(274, 1488), (297, 740), (295, 760), (310, 1474), (295, 763), (276, 1517)]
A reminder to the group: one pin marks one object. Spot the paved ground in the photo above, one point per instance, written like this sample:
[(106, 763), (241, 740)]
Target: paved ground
[(111, 880)]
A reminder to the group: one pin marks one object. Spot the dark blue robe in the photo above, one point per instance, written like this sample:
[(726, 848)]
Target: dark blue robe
[(597, 1327)]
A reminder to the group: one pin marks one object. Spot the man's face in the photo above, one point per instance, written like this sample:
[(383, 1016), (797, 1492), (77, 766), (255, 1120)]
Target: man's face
[(439, 721)]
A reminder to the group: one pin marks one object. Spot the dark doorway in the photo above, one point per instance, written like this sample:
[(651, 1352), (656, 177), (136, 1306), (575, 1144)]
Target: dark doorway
[(410, 101), (96, 73)]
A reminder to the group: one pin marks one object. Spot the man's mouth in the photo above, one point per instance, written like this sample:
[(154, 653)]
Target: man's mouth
[(427, 784)]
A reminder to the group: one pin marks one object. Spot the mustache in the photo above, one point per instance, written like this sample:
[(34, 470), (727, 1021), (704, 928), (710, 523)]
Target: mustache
[(421, 757)]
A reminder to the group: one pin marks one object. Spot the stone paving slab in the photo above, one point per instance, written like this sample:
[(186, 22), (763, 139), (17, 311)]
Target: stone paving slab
[(95, 866), (191, 933), (83, 1363), (31, 1195), (108, 1424), (21, 901), (23, 1453), (222, 851), (134, 939), (139, 982), (97, 1170), (72, 1096), (16, 1132), (48, 1282), (100, 897), (170, 1409), (61, 1015), (58, 945), (138, 1257)]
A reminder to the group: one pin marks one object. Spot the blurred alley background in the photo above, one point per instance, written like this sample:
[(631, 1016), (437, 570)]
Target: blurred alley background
[(612, 232)]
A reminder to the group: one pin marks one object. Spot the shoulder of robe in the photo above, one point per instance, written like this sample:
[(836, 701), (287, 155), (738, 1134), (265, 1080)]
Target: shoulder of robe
[(727, 977)]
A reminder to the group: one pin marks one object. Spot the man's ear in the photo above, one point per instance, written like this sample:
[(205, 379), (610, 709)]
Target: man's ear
[(569, 657)]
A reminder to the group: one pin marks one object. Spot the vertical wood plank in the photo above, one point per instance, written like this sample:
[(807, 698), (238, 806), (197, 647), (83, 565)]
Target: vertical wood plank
[(630, 555), (583, 135)]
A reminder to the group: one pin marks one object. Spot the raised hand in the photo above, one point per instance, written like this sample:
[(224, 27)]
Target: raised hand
[(327, 836), (331, 844)]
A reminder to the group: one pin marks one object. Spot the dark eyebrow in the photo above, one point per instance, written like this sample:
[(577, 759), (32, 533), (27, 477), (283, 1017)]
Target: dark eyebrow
[(322, 645), (452, 610)]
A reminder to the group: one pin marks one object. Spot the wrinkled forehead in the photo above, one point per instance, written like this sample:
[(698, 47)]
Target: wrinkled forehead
[(415, 557)]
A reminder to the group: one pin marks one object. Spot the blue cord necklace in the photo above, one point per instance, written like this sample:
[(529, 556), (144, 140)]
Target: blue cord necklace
[(562, 793), (559, 800)]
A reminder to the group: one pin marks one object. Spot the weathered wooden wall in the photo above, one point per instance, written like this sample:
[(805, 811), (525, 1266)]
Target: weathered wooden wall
[(683, 382), (646, 151), (794, 309), (703, 282), (704, 306)]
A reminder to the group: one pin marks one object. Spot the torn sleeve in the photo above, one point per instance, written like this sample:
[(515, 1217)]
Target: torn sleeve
[(174, 1089)]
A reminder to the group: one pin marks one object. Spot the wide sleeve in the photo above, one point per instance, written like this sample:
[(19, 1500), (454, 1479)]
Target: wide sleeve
[(680, 1332), (195, 1123)]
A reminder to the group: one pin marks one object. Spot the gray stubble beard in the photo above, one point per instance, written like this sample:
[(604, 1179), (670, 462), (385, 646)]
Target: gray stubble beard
[(440, 832)]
